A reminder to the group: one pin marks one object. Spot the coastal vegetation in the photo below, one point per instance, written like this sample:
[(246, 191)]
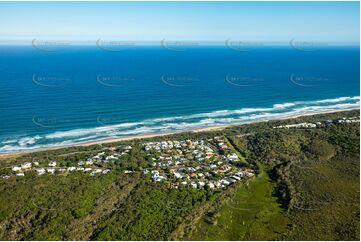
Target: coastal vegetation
[(306, 187)]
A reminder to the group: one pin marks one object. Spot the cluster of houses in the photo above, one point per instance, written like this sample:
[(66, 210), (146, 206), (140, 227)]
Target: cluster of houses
[(319, 124), (52, 168), (300, 125), (94, 165), (196, 163), (349, 120)]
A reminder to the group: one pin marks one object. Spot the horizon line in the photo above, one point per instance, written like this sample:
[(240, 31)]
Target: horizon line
[(172, 42)]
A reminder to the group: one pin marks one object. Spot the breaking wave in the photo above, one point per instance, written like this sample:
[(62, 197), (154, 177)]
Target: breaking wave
[(176, 124)]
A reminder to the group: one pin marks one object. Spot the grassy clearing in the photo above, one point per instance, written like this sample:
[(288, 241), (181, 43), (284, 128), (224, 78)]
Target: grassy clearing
[(252, 213)]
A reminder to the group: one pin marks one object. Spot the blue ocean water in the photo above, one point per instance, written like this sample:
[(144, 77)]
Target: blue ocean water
[(83, 93)]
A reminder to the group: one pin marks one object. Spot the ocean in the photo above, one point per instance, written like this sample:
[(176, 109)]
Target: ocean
[(75, 94)]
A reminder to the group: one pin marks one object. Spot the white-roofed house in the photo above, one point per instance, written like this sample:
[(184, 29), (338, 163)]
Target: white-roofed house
[(16, 168), (26, 166), (51, 170), (40, 171)]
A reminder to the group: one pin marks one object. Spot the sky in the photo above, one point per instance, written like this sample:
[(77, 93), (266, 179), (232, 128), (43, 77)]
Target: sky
[(332, 22)]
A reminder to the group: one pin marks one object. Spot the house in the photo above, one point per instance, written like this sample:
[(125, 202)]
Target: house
[(40, 171), (225, 168), (52, 163), (193, 175), (16, 168), (249, 170), (51, 170), (177, 175), (209, 155), (87, 169), (224, 147), (194, 185), (211, 185), (236, 178), (217, 184), (72, 168), (191, 169), (213, 166), (225, 182), (233, 157), (26, 166), (106, 171), (36, 163), (20, 174), (158, 178), (111, 157), (230, 180), (155, 172), (80, 169)]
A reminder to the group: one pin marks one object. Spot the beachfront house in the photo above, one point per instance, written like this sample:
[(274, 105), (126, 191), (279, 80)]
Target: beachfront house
[(72, 168), (51, 170), (26, 166), (40, 171), (16, 168)]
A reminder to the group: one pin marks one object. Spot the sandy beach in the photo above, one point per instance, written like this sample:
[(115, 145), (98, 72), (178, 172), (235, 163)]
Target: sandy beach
[(137, 137)]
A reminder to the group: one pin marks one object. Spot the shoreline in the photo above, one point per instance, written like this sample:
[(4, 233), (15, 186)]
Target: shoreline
[(145, 136)]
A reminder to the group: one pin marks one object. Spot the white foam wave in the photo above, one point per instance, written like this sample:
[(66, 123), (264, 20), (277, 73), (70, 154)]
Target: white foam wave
[(83, 132), (275, 107), (340, 99), (179, 123), (28, 140), (284, 105)]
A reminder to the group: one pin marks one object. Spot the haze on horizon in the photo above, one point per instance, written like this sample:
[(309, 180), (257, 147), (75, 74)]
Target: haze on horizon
[(331, 22)]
